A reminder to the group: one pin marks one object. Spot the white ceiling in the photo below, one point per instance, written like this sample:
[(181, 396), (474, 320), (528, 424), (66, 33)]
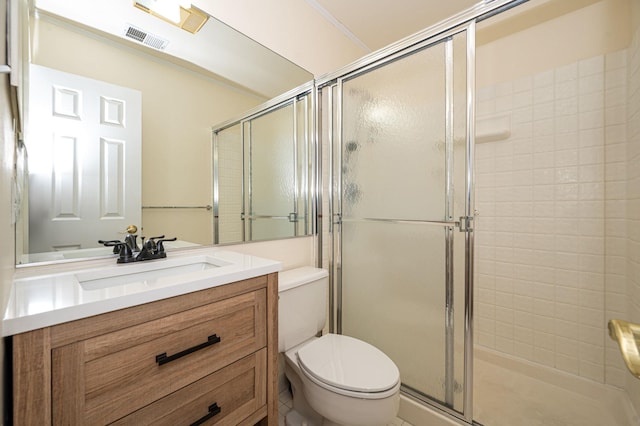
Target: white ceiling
[(325, 35), (378, 23)]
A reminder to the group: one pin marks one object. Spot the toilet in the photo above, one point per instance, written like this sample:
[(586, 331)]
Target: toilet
[(335, 379)]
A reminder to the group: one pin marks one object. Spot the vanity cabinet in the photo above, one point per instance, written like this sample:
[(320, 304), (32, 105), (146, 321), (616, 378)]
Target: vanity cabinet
[(207, 357)]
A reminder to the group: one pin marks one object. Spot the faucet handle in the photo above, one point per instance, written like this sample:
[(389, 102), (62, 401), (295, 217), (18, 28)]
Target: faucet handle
[(111, 243), (151, 244), (126, 255), (161, 243)]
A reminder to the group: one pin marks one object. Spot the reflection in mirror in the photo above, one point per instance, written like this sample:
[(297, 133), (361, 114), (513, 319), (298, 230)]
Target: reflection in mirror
[(263, 168), (196, 80)]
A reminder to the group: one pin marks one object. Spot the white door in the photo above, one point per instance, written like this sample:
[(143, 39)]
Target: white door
[(84, 141)]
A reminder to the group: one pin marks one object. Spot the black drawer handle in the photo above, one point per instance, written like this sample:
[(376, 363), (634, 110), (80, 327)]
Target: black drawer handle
[(163, 358), (213, 410)]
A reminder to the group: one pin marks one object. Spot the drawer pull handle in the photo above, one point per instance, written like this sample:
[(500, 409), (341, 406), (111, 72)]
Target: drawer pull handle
[(213, 410), (163, 358)]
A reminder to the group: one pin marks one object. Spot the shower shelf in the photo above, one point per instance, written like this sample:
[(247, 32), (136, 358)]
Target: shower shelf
[(627, 335)]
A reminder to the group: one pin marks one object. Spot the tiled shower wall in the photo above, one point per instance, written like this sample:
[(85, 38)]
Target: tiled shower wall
[(551, 248), (229, 185)]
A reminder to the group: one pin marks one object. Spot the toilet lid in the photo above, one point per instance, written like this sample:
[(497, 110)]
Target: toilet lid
[(347, 363)]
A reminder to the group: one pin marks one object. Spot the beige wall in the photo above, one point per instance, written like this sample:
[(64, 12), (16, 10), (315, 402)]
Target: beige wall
[(587, 29), (179, 107)]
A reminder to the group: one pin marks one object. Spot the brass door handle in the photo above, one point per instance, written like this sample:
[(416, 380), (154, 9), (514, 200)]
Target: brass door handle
[(627, 335)]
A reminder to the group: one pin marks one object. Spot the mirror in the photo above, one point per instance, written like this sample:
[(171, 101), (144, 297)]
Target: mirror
[(262, 172), (195, 81)]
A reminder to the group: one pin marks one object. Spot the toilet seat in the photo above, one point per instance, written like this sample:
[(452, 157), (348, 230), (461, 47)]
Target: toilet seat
[(349, 367)]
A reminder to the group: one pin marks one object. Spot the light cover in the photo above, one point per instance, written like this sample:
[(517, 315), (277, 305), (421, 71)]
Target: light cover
[(169, 9)]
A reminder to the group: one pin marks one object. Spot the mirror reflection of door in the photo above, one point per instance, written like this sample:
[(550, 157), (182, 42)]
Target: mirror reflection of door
[(84, 143)]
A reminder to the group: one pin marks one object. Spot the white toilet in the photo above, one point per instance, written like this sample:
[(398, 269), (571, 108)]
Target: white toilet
[(335, 379)]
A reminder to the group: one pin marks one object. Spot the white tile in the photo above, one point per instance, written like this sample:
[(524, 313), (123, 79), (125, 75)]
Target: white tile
[(566, 73), (591, 83), (543, 94), (592, 137), (591, 119), (567, 192), (486, 93), (592, 371), (615, 97), (591, 263), (592, 155), (566, 174), (615, 78), (616, 60), (544, 160), (522, 99), (566, 141), (566, 89), (591, 191), (523, 84), (566, 278), (616, 115), (544, 143), (566, 124), (591, 66), (503, 89)]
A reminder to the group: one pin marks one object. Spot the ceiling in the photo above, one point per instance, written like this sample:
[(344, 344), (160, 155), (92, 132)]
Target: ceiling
[(378, 23), (324, 35)]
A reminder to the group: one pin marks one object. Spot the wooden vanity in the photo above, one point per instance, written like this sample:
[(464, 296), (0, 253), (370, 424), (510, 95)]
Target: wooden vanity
[(204, 357)]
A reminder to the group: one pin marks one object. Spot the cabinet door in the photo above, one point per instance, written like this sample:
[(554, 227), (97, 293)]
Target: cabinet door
[(107, 377), (225, 397)]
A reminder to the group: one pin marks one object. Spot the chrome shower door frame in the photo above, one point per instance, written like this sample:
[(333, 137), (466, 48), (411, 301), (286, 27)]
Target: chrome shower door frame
[(303, 95), (463, 224)]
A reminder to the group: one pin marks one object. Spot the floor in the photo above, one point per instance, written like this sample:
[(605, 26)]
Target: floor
[(286, 405), (507, 394), (510, 392)]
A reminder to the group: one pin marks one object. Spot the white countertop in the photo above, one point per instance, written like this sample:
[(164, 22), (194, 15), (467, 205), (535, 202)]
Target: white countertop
[(45, 296)]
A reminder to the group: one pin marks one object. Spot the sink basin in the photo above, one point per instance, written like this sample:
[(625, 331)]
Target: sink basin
[(145, 273)]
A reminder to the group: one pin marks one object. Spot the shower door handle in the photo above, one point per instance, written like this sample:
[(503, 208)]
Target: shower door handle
[(465, 224)]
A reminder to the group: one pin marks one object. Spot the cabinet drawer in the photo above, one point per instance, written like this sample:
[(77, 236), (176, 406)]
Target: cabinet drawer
[(236, 391), (121, 372)]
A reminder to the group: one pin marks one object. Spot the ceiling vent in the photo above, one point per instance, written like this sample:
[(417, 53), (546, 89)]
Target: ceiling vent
[(191, 19), (145, 38)]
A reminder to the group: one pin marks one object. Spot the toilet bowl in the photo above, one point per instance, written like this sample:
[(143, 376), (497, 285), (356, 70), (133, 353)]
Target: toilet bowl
[(335, 379)]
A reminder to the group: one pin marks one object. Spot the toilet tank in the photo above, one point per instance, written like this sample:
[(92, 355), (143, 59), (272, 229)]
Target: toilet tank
[(302, 305)]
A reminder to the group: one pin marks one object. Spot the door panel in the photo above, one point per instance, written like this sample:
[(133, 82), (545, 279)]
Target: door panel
[(401, 186), (84, 141)]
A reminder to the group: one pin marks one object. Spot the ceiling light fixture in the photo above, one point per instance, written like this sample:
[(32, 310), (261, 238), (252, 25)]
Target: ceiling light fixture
[(168, 9), (176, 12)]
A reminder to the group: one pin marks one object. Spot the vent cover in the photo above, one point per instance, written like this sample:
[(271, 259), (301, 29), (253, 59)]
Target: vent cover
[(145, 38)]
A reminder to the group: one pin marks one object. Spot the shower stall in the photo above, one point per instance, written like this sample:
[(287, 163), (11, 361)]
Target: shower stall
[(498, 127), (402, 207)]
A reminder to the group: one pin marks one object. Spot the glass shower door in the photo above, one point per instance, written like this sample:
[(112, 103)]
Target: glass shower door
[(271, 175), (401, 170)]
